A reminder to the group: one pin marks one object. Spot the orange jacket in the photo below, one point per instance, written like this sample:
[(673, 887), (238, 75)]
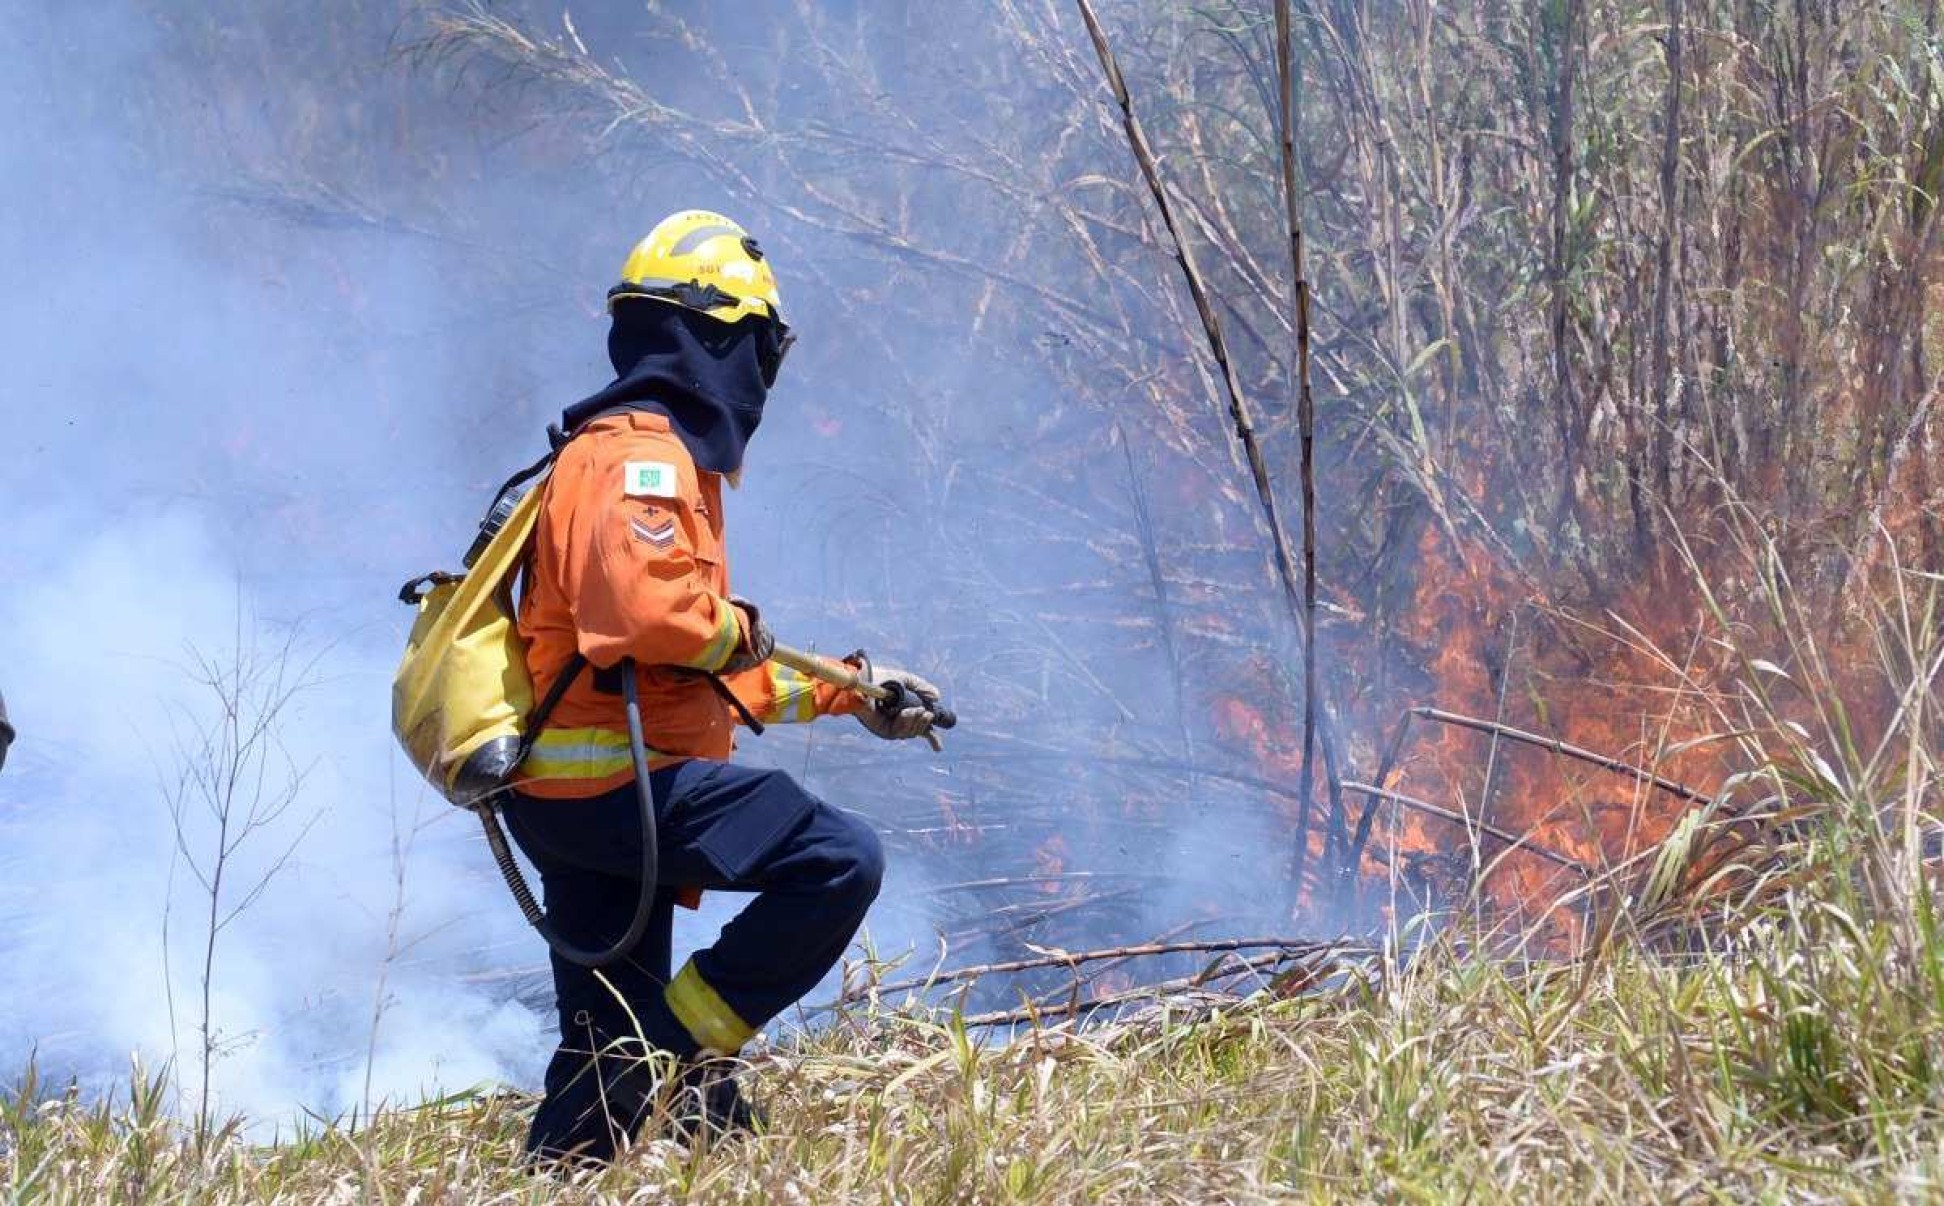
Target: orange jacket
[(628, 562)]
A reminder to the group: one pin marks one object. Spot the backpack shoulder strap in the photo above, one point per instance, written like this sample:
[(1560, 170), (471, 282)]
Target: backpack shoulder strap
[(527, 474), (538, 721)]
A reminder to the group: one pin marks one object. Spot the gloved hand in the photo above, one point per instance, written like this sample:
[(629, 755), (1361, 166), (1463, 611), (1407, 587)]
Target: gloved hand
[(910, 715), (758, 641)]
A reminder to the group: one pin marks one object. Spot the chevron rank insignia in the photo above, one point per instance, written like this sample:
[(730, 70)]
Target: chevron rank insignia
[(656, 531)]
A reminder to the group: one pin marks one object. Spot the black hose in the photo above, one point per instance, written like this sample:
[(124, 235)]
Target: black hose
[(650, 852)]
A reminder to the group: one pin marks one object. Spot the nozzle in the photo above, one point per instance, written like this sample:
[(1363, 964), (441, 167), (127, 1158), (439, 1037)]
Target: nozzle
[(894, 699)]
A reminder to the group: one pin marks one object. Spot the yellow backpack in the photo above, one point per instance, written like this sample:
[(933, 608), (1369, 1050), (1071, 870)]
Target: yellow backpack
[(462, 700)]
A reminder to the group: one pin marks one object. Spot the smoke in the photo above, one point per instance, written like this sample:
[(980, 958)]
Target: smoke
[(216, 420), (283, 304)]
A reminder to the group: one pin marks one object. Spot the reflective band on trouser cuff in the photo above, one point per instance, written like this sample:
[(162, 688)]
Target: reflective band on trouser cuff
[(708, 1019), (578, 754), (727, 636), (793, 696)]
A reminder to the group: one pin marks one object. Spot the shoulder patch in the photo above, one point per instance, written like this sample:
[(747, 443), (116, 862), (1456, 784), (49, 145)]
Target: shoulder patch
[(650, 479)]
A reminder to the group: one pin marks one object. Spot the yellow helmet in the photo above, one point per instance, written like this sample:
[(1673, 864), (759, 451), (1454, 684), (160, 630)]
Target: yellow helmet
[(704, 262)]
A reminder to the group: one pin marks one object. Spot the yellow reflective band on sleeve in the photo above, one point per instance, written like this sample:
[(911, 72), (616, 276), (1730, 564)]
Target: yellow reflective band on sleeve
[(727, 636), (793, 696), (578, 754), (706, 1017)]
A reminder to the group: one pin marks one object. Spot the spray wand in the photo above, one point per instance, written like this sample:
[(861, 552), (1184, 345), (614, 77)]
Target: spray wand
[(888, 697)]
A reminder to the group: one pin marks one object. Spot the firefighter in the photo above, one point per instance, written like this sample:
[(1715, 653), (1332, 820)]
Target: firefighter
[(629, 563)]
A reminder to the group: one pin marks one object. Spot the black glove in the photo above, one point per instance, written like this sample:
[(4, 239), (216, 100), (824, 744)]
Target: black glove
[(758, 641), (908, 714)]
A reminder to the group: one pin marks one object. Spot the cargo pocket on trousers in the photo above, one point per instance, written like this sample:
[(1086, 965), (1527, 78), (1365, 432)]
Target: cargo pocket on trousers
[(751, 814)]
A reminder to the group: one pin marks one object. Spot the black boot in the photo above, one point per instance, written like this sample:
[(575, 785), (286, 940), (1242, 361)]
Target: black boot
[(709, 1103)]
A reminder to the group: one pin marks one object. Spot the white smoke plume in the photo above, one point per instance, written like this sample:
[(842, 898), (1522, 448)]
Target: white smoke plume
[(282, 304)]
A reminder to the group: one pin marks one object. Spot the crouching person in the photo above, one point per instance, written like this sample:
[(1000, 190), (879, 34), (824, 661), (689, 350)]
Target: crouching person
[(628, 567)]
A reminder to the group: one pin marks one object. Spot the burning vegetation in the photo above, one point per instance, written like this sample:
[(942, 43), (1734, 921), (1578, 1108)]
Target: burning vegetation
[(1596, 304), (1512, 771), (1620, 515)]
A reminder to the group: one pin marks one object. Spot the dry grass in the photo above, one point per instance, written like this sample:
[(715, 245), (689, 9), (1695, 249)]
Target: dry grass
[(1800, 1064)]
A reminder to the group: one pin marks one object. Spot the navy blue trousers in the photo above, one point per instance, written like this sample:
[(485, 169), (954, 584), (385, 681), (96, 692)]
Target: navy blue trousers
[(815, 870)]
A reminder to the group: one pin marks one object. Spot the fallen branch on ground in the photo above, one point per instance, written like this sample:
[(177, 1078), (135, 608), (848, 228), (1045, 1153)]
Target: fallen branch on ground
[(1221, 970), (1286, 946), (1050, 877)]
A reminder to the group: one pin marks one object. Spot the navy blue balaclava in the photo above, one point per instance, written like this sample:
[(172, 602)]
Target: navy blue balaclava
[(704, 375)]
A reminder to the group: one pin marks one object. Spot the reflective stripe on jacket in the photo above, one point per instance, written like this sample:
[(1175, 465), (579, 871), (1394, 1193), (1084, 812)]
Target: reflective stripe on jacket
[(628, 562)]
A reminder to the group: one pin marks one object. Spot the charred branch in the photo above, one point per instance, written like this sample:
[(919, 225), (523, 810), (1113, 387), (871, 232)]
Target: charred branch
[(1288, 947), (1039, 880), (1224, 969), (1565, 750), (1299, 598), (1306, 424)]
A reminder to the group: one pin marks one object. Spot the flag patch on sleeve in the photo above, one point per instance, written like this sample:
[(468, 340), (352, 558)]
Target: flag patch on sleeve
[(658, 534), (649, 479)]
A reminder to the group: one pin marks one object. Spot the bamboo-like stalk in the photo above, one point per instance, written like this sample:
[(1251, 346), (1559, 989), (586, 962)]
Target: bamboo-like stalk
[(1028, 879), (1172, 935), (1661, 405), (1492, 752), (1515, 840), (1306, 424), (1301, 601), (1565, 750), (1137, 141), (1073, 1008), (1288, 946), (1353, 855), (1559, 132)]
